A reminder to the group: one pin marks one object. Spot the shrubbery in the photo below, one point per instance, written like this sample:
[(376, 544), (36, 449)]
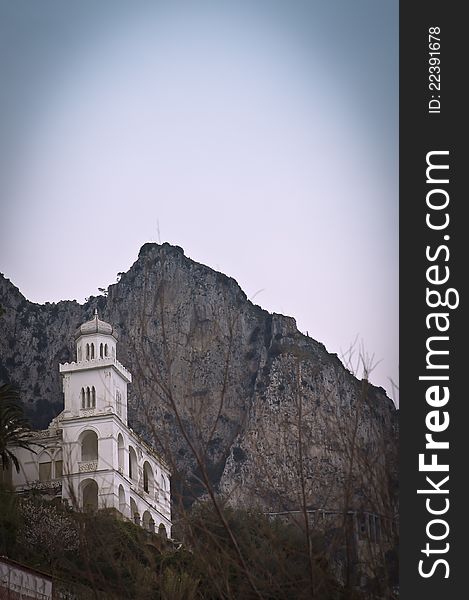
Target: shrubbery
[(244, 555)]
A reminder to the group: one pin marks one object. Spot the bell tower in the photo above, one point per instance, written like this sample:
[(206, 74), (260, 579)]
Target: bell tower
[(97, 382), (89, 453)]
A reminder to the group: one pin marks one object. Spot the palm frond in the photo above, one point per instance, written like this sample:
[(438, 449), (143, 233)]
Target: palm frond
[(14, 427)]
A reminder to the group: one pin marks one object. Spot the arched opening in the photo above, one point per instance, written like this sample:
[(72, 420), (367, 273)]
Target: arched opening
[(101, 349), (90, 495), (163, 482), (92, 351), (89, 446), (120, 453), (148, 479), (58, 465), (162, 530), (146, 519), (133, 465), (88, 397), (87, 352), (105, 350), (93, 397), (45, 467), (133, 509), (122, 503), (83, 397)]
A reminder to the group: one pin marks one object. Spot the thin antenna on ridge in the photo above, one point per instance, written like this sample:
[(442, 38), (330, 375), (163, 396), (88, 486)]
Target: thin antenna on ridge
[(158, 231)]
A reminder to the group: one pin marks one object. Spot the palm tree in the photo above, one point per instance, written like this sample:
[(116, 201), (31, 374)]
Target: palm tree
[(13, 425)]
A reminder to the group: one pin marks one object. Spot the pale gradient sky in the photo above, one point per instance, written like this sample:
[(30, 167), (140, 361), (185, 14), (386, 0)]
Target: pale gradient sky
[(262, 136)]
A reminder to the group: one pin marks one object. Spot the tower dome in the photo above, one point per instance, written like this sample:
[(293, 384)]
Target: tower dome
[(95, 339), (95, 325)]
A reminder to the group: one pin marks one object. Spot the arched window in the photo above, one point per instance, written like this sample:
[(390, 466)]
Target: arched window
[(92, 351), (105, 350), (148, 479), (146, 520), (120, 453), (133, 509), (58, 465), (88, 397), (83, 397), (122, 503), (87, 352), (163, 482), (101, 355), (90, 494), (45, 467), (89, 446), (133, 465), (118, 402), (93, 397), (162, 530)]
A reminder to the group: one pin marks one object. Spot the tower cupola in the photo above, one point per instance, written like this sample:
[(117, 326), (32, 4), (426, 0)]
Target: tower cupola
[(95, 325), (95, 339)]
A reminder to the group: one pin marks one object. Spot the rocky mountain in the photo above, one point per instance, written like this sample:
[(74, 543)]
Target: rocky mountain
[(231, 395)]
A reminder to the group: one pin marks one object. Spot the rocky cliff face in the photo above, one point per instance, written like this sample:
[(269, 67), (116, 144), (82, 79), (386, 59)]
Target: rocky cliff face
[(229, 393)]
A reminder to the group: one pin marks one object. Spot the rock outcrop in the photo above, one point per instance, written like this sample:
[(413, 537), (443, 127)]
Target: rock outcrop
[(230, 394)]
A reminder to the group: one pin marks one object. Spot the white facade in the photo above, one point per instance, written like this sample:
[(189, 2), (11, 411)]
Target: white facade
[(88, 454)]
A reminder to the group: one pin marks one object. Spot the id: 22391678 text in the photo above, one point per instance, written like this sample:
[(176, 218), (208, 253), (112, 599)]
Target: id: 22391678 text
[(434, 70)]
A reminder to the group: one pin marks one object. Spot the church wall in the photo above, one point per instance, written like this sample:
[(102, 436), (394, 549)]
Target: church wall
[(49, 450), (81, 455), (29, 470), (104, 471), (107, 385), (108, 429)]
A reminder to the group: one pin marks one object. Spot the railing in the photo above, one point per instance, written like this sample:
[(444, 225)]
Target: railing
[(87, 412), (88, 466), (52, 484), (108, 360), (45, 433)]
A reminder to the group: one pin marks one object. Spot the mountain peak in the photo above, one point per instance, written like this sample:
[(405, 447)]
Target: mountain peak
[(240, 381)]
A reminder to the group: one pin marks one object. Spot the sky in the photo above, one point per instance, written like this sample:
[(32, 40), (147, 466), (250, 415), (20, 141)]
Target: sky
[(260, 136)]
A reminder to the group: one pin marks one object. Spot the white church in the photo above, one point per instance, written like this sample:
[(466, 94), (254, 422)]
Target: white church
[(88, 455)]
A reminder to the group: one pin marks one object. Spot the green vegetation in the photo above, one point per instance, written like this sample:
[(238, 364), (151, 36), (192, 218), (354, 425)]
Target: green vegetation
[(13, 425), (101, 556)]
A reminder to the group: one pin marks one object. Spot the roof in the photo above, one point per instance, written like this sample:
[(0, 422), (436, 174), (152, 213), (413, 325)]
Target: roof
[(95, 325)]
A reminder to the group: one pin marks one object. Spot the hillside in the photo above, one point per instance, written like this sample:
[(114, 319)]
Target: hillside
[(230, 394)]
